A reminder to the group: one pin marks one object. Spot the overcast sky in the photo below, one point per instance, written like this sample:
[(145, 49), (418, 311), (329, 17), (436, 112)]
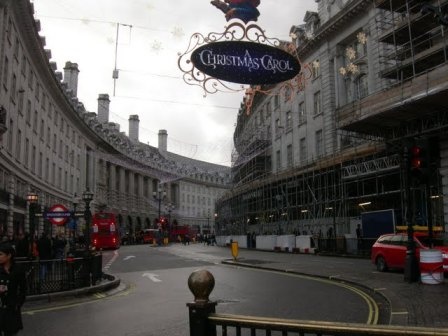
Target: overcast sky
[(150, 83)]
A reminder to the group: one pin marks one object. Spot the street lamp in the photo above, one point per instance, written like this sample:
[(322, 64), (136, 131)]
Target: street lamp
[(32, 199), (159, 195), (169, 207), (87, 197), (74, 222)]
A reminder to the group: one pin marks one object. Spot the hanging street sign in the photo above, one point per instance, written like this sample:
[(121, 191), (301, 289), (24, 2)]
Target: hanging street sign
[(58, 214), (245, 62)]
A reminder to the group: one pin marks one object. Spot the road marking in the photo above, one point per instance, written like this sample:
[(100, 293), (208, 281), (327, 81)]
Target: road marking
[(399, 313), (128, 257), (373, 308), (152, 277), (107, 266)]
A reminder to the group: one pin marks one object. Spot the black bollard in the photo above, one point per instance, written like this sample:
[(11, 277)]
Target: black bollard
[(201, 284)]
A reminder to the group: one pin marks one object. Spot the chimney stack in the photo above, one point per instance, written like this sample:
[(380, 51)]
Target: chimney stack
[(163, 140), (71, 77), (133, 127), (103, 108)]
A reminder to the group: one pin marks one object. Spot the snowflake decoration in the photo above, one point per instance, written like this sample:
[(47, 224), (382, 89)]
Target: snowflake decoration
[(353, 68), (362, 37), (342, 71), (293, 36), (156, 46), (350, 53), (316, 64), (178, 32)]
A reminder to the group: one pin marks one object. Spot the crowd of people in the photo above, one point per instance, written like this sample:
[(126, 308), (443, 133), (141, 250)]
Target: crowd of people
[(44, 247)]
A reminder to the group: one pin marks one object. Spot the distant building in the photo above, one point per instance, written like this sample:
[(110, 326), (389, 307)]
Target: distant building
[(53, 147)]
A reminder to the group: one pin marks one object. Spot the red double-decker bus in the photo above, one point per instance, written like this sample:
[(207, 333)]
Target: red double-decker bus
[(105, 231)]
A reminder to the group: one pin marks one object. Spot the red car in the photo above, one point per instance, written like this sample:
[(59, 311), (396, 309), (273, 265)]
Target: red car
[(389, 251)]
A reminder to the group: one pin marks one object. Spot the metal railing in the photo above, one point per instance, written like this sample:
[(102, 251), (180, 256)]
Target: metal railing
[(58, 275), (205, 322)]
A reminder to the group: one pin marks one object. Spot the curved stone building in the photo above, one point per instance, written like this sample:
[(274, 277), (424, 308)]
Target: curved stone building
[(51, 146)]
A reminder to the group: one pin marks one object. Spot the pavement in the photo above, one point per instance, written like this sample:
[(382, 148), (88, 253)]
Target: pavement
[(413, 304)]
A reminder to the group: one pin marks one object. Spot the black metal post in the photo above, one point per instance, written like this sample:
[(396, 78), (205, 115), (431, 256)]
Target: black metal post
[(411, 272), (201, 284), (87, 197)]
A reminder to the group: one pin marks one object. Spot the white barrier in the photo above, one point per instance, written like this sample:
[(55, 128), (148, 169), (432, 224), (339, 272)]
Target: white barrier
[(286, 242), (305, 244), (266, 242)]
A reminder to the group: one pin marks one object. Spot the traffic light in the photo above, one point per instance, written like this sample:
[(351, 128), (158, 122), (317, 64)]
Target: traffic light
[(419, 161)]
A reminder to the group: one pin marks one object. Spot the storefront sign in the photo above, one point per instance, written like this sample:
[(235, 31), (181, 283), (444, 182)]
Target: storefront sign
[(245, 62)]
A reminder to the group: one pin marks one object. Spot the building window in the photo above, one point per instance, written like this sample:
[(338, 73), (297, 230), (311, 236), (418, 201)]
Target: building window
[(302, 113), (55, 142), (14, 88), (48, 136), (361, 86), (287, 92), (276, 101), (33, 160), (317, 107), (60, 148), (5, 73), (278, 127), (41, 163), (289, 156), (35, 121), (11, 127), (319, 144), (28, 112), (288, 120), (279, 160), (27, 153), (315, 65), (47, 169), (19, 145), (303, 153), (42, 129)]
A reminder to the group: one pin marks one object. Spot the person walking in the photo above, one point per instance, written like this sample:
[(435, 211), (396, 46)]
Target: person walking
[(12, 292), (45, 252)]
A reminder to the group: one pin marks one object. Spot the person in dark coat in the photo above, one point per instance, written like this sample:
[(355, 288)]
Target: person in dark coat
[(45, 251), (12, 291), (22, 246)]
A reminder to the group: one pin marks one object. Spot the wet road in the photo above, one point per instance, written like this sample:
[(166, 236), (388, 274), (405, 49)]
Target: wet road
[(152, 299)]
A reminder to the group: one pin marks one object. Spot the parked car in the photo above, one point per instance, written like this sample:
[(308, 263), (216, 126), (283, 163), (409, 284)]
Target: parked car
[(389, 250)]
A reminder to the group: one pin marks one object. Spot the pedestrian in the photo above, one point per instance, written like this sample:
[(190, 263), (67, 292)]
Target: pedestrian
[(59, 244), (44, 250), (22, 246), (12, 291)]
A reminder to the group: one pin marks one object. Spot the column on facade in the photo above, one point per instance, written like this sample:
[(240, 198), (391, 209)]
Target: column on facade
[(122, 187), (140, 197), (111, 190), (131, 196)]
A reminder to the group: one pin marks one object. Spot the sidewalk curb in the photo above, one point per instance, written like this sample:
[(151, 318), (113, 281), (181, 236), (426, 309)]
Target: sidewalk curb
[(112, 282)]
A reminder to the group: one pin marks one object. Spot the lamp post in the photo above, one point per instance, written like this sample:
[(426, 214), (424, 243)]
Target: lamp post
[(32, 199), (87, 197), (74, 223), (169, 209), (159, 195)]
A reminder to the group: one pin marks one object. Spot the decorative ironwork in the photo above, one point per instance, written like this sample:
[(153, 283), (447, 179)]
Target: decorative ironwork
[(237, 31)]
